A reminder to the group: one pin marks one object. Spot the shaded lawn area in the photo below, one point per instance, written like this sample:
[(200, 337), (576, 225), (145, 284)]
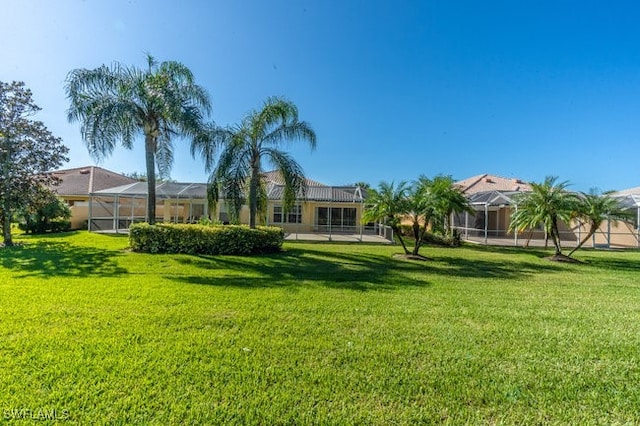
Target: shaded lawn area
[(321, 333)]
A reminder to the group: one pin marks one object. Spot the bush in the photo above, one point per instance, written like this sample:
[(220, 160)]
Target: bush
[(47, 213), (204, 239)]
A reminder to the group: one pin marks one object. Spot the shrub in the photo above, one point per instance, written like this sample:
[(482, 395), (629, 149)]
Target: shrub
[(204, 239), (47, 213)]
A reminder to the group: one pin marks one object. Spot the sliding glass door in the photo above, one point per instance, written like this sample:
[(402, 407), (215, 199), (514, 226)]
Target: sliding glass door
[(336, 219)]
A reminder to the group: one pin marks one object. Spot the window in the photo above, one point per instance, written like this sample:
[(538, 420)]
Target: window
[(293, 216)]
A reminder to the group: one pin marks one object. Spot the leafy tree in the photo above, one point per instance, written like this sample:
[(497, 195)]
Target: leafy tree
[(27, 150), (118, 103), (46, 212), (547, 204), (594, 209), (247, 146), (388, 204)]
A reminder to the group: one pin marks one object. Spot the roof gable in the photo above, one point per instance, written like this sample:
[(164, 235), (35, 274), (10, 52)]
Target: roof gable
[(487, 182)]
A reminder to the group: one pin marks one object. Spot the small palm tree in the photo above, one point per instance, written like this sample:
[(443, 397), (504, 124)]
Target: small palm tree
[(595, 209), (446, 199), (388, 204), (419, 209), (547, 204), (245, 149), (118, 103)]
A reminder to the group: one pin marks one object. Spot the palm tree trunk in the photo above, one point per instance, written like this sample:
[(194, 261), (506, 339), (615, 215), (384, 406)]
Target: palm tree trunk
[(253, 191), (592, 230), (555, 236), (416, 236), (398, 232), (526, 244), (447, 224), (149, 146), (420, 238)]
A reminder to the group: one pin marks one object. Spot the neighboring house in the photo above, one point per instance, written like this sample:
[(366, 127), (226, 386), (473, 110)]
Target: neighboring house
[(322, 209), (491, 183), (76, 185), (493, 199)]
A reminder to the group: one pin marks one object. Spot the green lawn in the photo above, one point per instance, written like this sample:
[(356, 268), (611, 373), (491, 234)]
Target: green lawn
[(322, 333)]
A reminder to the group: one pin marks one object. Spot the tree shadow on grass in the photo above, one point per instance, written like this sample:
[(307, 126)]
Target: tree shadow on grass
[(534, 251), (356, 271), (507, 268), (613, 260), (612, 263), (54, 259), (302, 267)]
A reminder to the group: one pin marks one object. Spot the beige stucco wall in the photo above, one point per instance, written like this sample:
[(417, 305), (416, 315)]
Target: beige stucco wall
[(167, 211), (622, 234), (308, 224)]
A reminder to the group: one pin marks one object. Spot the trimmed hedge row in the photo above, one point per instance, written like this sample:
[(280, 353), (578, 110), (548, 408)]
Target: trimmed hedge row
[(204, 239)]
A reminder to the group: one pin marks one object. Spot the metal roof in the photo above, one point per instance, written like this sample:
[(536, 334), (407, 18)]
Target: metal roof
[(342, 194)]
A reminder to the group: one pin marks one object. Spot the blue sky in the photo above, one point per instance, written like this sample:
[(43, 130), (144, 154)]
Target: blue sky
[(393, 89)]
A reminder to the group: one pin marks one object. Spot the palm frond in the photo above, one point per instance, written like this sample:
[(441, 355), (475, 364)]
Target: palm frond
[(295, 185), (290, 132)]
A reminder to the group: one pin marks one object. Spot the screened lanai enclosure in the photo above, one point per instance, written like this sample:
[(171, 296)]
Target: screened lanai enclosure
[(115, 209), (489, 224), (324, 212)]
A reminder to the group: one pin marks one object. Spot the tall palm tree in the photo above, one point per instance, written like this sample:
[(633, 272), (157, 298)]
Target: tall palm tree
[(118, 103), (250, 144), (595, 209), (388, 204), (547, 204)]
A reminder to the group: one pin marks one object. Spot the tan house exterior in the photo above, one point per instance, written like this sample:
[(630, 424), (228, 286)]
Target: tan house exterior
[(321, 209), (491, 197), (495, 198)]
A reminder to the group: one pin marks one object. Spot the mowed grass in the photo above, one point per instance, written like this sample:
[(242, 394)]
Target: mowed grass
[(318, 334)]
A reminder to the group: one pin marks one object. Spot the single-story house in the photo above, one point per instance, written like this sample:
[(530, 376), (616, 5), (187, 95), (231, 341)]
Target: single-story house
[(321, 209), (494, 199)]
